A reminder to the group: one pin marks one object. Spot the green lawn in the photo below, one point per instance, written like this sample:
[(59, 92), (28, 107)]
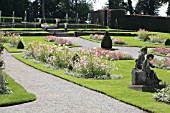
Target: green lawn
[(28, 39), (116, 88), (19, 96), (131, 41)]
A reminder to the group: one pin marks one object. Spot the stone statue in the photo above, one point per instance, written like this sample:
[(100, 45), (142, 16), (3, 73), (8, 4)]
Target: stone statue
[(150, 73), (143, 78), (141, 58)]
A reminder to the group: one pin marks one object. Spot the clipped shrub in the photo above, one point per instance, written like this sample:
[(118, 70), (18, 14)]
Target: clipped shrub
[(20, 45), (167, 42), (107, 41)]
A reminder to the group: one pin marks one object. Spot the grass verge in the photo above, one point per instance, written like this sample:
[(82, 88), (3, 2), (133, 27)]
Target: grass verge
[(117, 89), (131, 42), (28, 39), (19, 96)]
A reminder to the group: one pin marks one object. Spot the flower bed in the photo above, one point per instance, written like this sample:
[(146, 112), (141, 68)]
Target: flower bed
[(116, 41), (162, 51), (12, 39), (156, 39), (85, 65), (58, 41), (163, 63), (63, 42), (50, 38), (107, 54), (96, 36)]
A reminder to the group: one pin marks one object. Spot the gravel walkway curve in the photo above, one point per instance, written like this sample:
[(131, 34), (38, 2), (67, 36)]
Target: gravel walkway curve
[(55, 95)]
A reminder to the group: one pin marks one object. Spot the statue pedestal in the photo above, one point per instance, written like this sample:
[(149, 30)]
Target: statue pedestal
[(145, 88)]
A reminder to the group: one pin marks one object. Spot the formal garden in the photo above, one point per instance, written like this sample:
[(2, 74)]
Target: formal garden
[(103, 70)]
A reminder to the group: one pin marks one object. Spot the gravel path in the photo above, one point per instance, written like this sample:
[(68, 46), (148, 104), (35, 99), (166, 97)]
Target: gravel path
[(55, 95)]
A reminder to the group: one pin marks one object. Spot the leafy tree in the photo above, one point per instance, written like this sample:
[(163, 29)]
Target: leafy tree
[(19, 6), (149, 7)]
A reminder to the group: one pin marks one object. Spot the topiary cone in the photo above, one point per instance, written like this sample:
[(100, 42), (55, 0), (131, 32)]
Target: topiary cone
[(20, 45), (107, 41), (167, 42)]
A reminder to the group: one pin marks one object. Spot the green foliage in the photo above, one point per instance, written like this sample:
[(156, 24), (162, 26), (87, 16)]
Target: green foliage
[(20, 45), (156, 39), (107, 41), (143, 35), (163, 95), (167, 42)]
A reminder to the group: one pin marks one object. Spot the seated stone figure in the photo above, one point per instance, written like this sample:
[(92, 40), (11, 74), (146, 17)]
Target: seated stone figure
[(141, 58), (151, 75), (145, 76)]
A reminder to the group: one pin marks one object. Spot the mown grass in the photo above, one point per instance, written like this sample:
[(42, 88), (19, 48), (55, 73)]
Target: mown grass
[(27, 39), (131, 42), (117, 89), (19, 95)]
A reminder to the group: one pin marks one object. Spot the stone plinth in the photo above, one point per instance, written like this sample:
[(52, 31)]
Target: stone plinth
[(145, 88)]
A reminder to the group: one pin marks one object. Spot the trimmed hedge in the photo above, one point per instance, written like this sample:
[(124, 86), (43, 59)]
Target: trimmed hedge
[(9, 19)]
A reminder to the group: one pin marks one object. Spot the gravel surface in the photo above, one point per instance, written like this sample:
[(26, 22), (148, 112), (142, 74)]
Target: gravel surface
[(55, 95)]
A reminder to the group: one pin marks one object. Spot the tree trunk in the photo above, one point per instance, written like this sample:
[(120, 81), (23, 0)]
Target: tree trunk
[(130, 6)]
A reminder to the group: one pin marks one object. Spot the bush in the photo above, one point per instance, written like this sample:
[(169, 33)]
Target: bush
[(91, 67), (167, 42), (143, 35), (163, 95), (156, 39), (107, 41)]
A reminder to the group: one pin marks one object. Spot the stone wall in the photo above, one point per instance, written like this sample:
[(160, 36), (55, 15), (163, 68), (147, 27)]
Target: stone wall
[(119, 19)]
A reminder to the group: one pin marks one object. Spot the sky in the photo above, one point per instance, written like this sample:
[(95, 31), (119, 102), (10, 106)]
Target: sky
[(100, 3)]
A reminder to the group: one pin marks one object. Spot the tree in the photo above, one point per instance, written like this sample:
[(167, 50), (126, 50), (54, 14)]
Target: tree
[(130, 8), (149, 7), (168, 10), (19, 6), (115, 4)]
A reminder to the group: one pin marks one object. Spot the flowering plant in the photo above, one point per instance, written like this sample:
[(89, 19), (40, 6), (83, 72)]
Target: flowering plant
[(161, 50), (50, 38), (143, 35), (156, 39), (96, 36), (62, 42), (92, 67), (86, 66), (161, 63), (14, 40), (107, 54), (116, 41)]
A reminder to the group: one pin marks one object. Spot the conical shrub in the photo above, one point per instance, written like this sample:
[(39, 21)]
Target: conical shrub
[(20, 45), (107, 41), (167, 42)]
